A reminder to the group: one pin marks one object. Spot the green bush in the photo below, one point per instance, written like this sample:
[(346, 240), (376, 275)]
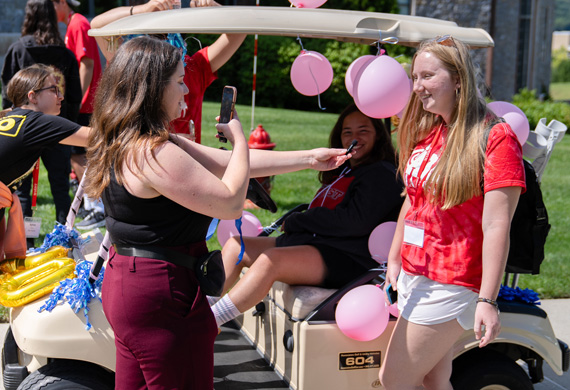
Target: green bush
[(534, 109), (560, 66)]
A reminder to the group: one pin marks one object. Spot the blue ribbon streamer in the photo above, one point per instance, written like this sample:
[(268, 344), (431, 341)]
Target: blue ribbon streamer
[(78, 292), (516, 294), (212, 228), (242, 250)]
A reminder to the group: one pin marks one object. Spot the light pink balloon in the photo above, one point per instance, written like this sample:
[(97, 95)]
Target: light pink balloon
[(307, 3), (380, 240), (514, 116), (393, 309), (250, 227), (356, 66), (383, 88), (311, 73), (362, 314), (519, 124)]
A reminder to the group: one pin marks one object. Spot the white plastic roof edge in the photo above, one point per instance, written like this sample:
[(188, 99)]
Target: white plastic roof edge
[(341, 25)]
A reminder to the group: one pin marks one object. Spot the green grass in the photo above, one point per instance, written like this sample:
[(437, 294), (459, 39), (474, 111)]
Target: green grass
[(560, 91), (295, 130)]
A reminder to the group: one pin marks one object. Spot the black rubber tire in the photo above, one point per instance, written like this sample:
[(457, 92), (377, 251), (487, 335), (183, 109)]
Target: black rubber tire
[(69, 375), (490, 372)]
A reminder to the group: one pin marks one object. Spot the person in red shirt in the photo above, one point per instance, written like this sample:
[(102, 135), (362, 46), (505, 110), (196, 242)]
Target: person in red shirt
[(200, 69), (86, 52), (450, 247)]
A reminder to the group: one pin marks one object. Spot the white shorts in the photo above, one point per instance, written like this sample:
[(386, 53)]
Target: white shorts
[(423, 301)]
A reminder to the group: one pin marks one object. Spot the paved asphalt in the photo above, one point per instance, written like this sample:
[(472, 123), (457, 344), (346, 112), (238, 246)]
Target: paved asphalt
[(558, 311)]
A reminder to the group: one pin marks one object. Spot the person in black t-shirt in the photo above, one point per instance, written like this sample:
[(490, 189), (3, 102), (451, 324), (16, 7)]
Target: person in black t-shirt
[(32, 125)]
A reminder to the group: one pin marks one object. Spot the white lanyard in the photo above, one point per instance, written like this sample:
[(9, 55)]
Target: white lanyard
[(344, 172)]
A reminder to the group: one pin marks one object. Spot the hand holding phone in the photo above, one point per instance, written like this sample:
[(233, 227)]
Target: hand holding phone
[(391, 294), (226, 111)]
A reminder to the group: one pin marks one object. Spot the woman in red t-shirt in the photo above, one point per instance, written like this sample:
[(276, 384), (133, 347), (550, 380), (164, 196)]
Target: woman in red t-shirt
[(451, 243)]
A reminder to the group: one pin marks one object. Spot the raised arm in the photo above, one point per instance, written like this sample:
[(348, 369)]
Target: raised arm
[(122, 12)]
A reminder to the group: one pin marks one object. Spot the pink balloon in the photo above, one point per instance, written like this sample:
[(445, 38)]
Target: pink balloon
[(311, 73), (250, 227), (519, 124), (393, 309), (380, 241), (357, 66), (514, 116), (383, 88), (307, 3), (501, 108), (361, 313)]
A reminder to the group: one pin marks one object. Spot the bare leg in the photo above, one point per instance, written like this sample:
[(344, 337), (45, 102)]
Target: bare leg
[(78, 163), (292, 265), (254, 247), (420, 355)]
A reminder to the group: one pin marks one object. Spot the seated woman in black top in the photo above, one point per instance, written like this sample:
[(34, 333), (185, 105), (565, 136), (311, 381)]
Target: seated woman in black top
[(328, 244)]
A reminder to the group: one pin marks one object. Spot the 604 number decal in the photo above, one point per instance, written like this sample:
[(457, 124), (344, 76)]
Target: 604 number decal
[(358, 360)]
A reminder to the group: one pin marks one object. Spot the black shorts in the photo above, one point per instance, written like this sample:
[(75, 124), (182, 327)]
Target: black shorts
[(341, 269)]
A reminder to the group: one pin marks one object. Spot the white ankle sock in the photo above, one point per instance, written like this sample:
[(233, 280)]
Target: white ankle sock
[(212, 300), (225, 310)]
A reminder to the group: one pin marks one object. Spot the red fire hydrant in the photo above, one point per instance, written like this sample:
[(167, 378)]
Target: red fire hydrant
[(259, 139)]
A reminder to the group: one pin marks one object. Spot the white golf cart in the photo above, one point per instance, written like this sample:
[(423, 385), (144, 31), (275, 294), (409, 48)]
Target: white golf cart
[(294, 327)]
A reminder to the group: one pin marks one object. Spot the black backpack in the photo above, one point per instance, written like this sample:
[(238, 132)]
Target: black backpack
[(529, 227)]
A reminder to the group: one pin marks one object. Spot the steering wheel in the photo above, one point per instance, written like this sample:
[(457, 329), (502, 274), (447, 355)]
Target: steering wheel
[(257, 194)]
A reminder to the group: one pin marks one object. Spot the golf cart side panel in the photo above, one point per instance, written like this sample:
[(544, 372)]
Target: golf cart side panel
[(61, 334), (343, 25), (527, 331), (308, 354)]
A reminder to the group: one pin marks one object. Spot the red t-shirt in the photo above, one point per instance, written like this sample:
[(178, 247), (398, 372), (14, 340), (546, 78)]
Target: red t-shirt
[(198, 76), (331, 195), (82, 45), (453, 239)]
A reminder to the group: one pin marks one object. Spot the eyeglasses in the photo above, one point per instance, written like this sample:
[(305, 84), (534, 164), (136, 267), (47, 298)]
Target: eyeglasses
[(446, 40), (54, 88)]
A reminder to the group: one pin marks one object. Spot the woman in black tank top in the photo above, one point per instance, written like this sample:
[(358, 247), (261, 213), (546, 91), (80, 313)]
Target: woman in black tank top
[(163, 190)]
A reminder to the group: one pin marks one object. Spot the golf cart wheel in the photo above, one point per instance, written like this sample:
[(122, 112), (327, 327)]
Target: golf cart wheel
[(489, 372), (68, 375)]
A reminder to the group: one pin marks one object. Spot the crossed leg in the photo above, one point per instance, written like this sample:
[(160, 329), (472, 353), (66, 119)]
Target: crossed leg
[(301, 264), (420, 356)]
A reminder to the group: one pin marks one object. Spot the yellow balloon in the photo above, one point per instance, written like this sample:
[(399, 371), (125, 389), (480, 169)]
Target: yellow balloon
[(14, 266), (36, 282)]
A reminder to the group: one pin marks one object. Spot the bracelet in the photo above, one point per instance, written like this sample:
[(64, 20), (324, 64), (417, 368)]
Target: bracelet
[(489, 301), (131, 12)]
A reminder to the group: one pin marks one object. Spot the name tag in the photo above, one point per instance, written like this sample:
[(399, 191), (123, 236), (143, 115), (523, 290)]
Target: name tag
[(414, 233), (32, 226)]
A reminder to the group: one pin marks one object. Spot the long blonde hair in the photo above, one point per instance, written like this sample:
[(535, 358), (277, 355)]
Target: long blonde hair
[(458, 173), (129, 115)]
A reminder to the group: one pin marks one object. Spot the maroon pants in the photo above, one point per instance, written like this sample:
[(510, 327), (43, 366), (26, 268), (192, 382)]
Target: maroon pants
[(164, 328)]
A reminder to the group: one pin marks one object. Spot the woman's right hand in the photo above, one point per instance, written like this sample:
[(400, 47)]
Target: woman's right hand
[(392, 273), (157, 5), (231, 130)]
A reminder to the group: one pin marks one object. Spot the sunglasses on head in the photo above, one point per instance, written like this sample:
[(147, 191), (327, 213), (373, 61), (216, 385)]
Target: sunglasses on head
[(446, 40)]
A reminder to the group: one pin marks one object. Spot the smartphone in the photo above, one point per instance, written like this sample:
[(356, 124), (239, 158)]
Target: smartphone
[(226, 111), (351, 146), (392, 295)]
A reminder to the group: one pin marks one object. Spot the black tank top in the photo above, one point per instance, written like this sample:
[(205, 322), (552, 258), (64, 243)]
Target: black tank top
[(155, 221)]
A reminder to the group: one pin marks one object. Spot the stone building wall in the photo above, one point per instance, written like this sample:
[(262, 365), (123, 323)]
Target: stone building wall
[(13, 16)]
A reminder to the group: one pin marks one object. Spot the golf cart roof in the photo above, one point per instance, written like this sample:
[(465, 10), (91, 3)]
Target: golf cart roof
[(342, 25)]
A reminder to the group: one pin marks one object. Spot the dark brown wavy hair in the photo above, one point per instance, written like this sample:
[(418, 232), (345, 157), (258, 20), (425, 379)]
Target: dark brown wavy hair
[(383, 148), (40, 21), (128, 115)]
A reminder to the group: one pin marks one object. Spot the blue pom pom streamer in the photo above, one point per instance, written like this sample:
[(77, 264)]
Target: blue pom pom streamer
[(78, 292), (518, 295), (60, 235)]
